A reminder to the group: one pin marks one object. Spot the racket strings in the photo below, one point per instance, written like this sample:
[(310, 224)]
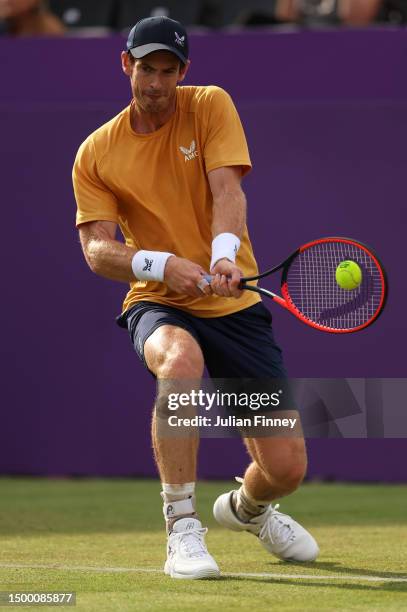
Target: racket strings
[(313, 291)]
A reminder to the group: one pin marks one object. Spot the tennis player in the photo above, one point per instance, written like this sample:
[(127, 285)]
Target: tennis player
[(168, 170)]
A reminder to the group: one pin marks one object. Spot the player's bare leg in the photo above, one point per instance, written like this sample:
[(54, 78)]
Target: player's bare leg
[(173, 355), (278, 468), (176, 463)]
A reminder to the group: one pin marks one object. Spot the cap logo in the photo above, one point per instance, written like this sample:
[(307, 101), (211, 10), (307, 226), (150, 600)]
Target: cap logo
[(180, 40)]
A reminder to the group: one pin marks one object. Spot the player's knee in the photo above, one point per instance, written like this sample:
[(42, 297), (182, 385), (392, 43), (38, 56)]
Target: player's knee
[(290, 479), (172, 352), (287, 475), (180, 362)]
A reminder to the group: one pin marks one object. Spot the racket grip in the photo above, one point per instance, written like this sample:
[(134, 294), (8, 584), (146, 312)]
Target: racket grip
[(210, 277)]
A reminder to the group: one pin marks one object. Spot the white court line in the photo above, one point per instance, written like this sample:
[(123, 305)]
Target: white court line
[(146, 570)]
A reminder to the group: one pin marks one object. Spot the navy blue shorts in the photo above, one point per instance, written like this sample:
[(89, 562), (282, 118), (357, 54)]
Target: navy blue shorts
[(234, 346)]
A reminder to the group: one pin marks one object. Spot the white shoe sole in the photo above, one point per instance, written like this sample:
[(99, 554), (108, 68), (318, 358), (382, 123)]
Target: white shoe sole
[(224, 515), (205, 572)]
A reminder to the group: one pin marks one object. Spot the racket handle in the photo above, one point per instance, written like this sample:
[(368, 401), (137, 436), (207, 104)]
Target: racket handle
[(210, 277)]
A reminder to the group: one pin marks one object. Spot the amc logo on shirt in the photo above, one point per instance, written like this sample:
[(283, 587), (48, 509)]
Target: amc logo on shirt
[(190, 153)]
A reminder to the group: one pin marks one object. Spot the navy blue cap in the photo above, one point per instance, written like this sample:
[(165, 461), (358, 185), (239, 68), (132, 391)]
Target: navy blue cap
[(156, 34)]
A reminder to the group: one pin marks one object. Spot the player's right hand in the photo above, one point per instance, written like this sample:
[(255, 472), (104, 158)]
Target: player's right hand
[(183, 276)]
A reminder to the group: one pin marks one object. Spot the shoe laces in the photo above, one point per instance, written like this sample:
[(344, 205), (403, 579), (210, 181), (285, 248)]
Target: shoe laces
[(277, 527), (192, 542)]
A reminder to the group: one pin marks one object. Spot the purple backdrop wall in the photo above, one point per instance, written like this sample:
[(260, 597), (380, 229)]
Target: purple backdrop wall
[(325, 116)]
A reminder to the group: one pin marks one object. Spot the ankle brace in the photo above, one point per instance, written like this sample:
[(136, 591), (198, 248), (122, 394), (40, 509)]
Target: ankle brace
[(179, 502), (182, 507)]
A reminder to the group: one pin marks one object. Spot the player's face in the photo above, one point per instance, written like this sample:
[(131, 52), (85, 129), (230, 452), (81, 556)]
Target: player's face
[(154, 79)]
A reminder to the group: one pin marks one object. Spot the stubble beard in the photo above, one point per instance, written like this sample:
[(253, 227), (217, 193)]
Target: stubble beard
[(153, 106)]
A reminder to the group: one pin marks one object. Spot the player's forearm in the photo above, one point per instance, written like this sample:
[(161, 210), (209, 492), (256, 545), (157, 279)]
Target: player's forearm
[(111, 259), (229, 213)]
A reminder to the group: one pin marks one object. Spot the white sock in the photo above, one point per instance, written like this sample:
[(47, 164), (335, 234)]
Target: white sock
[(246, 507)]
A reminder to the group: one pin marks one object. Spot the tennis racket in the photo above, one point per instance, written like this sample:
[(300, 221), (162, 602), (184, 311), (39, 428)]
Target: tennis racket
[(310, 292)]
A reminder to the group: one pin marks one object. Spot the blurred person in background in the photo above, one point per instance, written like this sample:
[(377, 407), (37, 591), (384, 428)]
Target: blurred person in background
[(28, 18), (325, 12), (309, 13), (393, 12)]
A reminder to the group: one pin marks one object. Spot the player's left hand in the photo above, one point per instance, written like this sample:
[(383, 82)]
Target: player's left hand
[(226, 279)]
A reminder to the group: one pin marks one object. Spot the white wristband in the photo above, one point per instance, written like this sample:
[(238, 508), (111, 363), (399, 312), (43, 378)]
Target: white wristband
[(149, 265), (224, 245)]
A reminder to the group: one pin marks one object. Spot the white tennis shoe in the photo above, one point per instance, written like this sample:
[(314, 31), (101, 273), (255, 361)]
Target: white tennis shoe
[(277, 532), (187, 555)]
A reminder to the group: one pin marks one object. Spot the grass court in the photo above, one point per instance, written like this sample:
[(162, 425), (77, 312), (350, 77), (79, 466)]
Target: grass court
[(105, 540)]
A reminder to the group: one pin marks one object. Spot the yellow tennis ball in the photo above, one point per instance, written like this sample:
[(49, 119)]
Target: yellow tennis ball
[(348, 275)]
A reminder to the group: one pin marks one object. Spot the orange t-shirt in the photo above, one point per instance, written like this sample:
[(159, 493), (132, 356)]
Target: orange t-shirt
[(155, 187)]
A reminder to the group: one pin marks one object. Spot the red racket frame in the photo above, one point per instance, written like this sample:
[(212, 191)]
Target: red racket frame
[(286, 301)]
